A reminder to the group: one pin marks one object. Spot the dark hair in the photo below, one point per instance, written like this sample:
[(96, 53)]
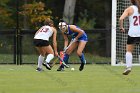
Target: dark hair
[(133, 2), (137, 3), (61, 20)]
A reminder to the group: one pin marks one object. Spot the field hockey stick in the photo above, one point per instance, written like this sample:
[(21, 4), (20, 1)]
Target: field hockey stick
[(63, 62), (69, 45), (54, 62)]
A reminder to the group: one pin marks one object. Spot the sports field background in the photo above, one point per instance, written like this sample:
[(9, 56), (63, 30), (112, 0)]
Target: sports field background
[(32, 59), (93, 79)]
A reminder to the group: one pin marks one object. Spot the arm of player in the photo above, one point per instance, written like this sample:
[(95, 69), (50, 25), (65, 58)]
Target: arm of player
[(66, 41), (74, 29), (55, 41), (125, 14)]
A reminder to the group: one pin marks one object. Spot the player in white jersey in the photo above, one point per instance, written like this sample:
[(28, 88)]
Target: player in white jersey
[(41, 41), (133, 12)]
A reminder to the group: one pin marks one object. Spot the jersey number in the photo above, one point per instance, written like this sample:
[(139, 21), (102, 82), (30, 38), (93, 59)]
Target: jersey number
[(43, 30), (136, 20)]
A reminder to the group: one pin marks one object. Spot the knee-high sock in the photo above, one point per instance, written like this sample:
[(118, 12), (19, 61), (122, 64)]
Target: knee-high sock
[(65, 59), (40, 60), (129, 58), (82, 58), (49, 58)]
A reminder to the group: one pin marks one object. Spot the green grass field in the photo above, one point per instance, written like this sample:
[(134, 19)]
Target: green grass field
[(94, 79)]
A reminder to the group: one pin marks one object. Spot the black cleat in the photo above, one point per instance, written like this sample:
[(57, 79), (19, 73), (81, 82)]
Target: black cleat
[(39, 69), (47, 66), (127, 71), (60, 69), (81, 66)]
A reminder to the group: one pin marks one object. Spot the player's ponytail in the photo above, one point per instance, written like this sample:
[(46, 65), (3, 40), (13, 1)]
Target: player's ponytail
[(49, 22), (133, 2), (138, 4)]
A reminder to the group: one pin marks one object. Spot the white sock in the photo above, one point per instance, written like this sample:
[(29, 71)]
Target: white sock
[(49, 58), (129, 58), (40, 61)]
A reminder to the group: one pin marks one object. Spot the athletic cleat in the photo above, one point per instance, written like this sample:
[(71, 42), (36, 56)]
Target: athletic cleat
[(81, 66), (127, 71), (47, 66), (39, 69), (60, 69)]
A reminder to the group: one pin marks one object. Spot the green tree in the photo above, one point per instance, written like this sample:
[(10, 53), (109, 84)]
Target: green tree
[(84, 23), (36, 13), (5, 15)]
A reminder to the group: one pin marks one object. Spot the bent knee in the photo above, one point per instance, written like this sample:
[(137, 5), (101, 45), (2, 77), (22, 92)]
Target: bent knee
[(68, 51), (79, 53)]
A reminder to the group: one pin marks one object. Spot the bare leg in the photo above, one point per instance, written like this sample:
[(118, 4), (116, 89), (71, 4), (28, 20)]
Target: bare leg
[(81, 47)]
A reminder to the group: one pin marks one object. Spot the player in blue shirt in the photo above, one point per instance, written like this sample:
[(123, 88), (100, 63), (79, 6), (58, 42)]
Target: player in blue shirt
[(79, 39)]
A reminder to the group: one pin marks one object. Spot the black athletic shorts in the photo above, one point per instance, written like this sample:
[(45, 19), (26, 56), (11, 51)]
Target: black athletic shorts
[(133, 40), (40, 42)]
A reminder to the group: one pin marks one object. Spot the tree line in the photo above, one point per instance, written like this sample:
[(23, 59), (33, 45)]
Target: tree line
[(88, 14)]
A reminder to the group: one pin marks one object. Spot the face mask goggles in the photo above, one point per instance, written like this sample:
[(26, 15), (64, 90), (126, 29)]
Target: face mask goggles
[(63, 26)]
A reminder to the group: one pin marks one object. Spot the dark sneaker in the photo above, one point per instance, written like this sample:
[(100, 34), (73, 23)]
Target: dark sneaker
[(81, 66), (47, 66), (127, 71), (39, 69), (60, 69)]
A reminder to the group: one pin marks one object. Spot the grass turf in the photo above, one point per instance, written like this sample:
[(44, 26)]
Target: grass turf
[(93, 79)]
